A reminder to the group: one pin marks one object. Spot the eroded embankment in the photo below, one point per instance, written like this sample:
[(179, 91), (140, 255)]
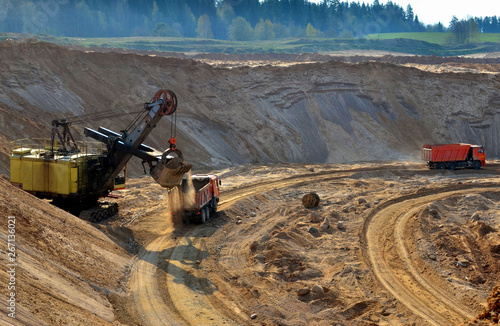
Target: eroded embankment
[(64, 269), (310, 112)]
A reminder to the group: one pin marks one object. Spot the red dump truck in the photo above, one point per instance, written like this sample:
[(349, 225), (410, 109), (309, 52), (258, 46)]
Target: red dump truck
[(452, 156), (200, 197)]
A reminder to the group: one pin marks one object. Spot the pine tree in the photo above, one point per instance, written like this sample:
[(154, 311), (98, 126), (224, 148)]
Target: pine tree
[(240, 30), (409, 13)]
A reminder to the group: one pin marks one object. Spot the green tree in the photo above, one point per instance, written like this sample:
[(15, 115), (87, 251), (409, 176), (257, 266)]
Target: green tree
[(464, 31), (162, 29), (225, 15), (281, 31), (204, 29), (188, 22), (410, 16), (265, 30), (310, 30), (419, 27), (240, 30), (473, 30)]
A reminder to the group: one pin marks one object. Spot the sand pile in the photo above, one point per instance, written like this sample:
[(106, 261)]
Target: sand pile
[(492, 311), (66, 268)]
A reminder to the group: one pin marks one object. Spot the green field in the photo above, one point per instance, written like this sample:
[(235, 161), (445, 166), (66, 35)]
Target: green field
[(411, 43), (436, 38), (185, 44)]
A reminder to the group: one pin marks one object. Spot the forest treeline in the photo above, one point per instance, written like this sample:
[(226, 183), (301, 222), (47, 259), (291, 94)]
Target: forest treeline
[(221, 19)]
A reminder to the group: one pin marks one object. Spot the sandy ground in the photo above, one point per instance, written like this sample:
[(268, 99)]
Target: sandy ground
[(389, 244)]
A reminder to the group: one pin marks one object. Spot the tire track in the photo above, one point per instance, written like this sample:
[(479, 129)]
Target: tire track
[(188, 297), (387, 224), (147, 293)]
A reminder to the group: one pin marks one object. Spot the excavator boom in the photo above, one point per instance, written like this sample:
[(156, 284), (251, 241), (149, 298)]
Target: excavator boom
[(166, 169)]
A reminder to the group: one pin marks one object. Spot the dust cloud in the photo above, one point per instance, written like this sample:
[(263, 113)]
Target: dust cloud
[(181, 198), (189, 193), (174, 200)]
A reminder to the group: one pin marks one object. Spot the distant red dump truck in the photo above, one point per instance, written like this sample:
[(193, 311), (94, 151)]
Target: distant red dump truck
[(452, 156), (200, 200)]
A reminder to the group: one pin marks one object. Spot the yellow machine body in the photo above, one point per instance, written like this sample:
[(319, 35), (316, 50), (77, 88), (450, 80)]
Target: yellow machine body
[(32, 170), (35, 174)]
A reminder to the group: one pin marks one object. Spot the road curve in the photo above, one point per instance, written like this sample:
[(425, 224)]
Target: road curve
[(386, 225), (168, 287), (183, 295), (147, 294)]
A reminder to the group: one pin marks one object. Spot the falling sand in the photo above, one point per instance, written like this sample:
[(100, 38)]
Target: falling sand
[(179, 199)]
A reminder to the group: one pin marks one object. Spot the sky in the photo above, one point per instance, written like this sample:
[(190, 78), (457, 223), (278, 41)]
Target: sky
[(434, 11)]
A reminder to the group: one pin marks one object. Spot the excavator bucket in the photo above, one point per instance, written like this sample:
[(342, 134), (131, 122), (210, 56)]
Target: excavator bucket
[(169, 173)]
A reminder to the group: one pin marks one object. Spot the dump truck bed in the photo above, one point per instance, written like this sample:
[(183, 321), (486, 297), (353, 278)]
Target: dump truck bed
[(200, 196), (203, 190), (445, 153)]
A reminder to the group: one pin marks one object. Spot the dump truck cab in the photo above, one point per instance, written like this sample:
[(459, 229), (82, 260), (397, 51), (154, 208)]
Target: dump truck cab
[(477, 154)]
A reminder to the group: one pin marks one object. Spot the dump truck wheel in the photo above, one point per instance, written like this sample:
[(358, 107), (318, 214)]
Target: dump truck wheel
[(214, 206), (203, 216), (452, 166), (441, 166), (476, 165), (207, 212), (310, 200)]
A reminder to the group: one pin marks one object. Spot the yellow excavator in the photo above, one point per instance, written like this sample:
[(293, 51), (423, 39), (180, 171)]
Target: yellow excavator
[(76, 174)]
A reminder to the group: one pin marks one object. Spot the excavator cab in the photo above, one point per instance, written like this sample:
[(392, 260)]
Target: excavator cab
[(120, 179)]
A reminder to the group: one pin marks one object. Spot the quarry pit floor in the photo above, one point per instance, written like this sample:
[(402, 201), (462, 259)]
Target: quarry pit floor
[(389, 243)]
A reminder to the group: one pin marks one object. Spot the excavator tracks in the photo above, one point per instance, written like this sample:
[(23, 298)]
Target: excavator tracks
[(99, 213)]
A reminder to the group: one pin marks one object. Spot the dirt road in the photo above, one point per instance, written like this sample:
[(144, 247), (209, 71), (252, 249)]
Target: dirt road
[(386, 240), (209, 274), (186, 288)]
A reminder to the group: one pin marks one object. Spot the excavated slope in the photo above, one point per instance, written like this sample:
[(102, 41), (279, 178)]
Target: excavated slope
[(330, 112), (63, 268)]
